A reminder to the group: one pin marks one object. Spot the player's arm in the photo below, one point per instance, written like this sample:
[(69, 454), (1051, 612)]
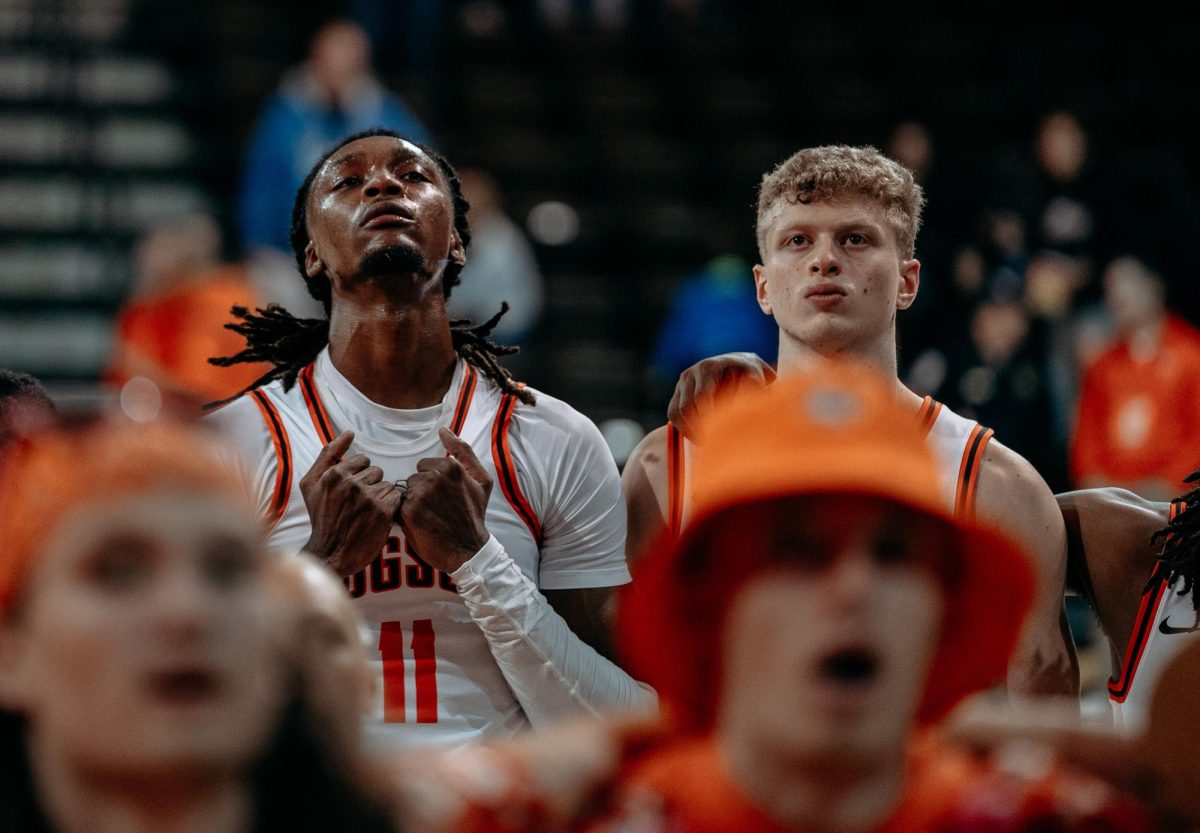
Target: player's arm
[(1110, 554), (1013, 497), (246, 448), (644, 482), (553, 672), (590, 613)]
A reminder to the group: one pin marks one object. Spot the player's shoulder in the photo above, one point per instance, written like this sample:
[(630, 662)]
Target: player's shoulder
[(1014, 495), (947, 422), (1001, 463), (651, 452), (550, 417), (1110, 540), (241, 412), (1113, 518), (998, 462), (253, 413)]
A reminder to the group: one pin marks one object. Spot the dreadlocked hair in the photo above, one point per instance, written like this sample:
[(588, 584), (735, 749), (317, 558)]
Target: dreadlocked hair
[(289, 344), (1180, 557)]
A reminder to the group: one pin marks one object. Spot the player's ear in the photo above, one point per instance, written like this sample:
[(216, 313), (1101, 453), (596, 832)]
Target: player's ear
[(760, 288), (313, 265), (458, 252), (910, 281)]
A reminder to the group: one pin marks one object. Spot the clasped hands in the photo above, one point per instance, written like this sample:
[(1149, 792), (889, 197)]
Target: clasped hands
[(440, 507)]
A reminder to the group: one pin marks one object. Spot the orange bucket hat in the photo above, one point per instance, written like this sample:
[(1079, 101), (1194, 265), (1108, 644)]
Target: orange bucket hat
[(837, 432), (48, 472)]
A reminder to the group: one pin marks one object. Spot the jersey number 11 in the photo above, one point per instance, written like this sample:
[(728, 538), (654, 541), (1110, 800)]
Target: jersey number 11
[(391, 648)]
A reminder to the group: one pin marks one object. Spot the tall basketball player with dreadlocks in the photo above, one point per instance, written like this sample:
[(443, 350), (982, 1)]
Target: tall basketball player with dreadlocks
[(1137, 563), (374, 441)]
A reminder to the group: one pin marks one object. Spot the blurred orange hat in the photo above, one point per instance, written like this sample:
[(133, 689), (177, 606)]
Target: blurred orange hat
[(48, 472), (837, 432)]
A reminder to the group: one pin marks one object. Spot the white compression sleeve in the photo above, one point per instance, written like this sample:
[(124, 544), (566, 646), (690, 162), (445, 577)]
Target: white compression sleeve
[(554, 673)]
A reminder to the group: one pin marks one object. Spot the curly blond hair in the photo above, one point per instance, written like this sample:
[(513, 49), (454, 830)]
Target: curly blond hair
[(832, 171)]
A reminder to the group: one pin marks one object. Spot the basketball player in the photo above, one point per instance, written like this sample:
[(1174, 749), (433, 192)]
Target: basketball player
[(836, 231), (374, 442), (1134, 561)]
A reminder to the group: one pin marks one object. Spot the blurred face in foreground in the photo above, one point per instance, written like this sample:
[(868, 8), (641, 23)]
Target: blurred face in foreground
[(320, 623), (827, 650), (142, 644)]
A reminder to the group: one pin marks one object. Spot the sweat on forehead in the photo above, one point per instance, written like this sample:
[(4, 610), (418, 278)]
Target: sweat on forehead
[(358, 150), (373, 149)]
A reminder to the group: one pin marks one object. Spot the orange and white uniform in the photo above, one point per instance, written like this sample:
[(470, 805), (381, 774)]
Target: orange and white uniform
[(1166, 622), (479, 652), (957, 443)]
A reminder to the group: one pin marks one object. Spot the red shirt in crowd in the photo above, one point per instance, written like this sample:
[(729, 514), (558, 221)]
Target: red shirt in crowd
[(1140, 420)]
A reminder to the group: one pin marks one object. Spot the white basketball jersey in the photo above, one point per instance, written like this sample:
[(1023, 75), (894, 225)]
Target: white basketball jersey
[(438, 681), (957, 443), (1166, 622)]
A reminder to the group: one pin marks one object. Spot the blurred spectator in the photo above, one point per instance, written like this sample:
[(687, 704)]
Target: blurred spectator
[(1139, 413), (500, 265), (946, 306), (911, 144), (1066, 221), (141, 677), (24, 403), (1052, 284), (325, 632), (174, 320), (334, 93), (1066, 200), (406, 36), (714, 311), (997, 378)]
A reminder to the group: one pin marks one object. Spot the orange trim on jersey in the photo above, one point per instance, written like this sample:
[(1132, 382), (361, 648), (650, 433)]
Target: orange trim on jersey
[(928, 413), (968, 471), (465, 394), (675, 477), (506, 471), (316, 408), (1152, 596), (283, 454)]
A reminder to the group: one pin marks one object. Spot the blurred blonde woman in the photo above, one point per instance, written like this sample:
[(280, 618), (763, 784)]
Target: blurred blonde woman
[(141, 675)]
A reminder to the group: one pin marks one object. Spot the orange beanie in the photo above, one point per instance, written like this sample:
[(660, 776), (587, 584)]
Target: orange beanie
[(46, 474)]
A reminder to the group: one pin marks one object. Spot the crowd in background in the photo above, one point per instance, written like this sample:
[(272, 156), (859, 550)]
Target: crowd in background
[(1050, 283), (1051, 309)]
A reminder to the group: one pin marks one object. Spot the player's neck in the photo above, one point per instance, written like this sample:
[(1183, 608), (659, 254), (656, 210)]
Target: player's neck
[(75, 801), (824, 793), (399, 354), (796, 357)]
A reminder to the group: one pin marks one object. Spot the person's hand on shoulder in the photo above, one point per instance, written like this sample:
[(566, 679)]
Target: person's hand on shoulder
[(698, 386)]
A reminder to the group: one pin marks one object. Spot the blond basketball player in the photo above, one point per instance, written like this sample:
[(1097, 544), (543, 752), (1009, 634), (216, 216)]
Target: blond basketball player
[(836, 233)]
